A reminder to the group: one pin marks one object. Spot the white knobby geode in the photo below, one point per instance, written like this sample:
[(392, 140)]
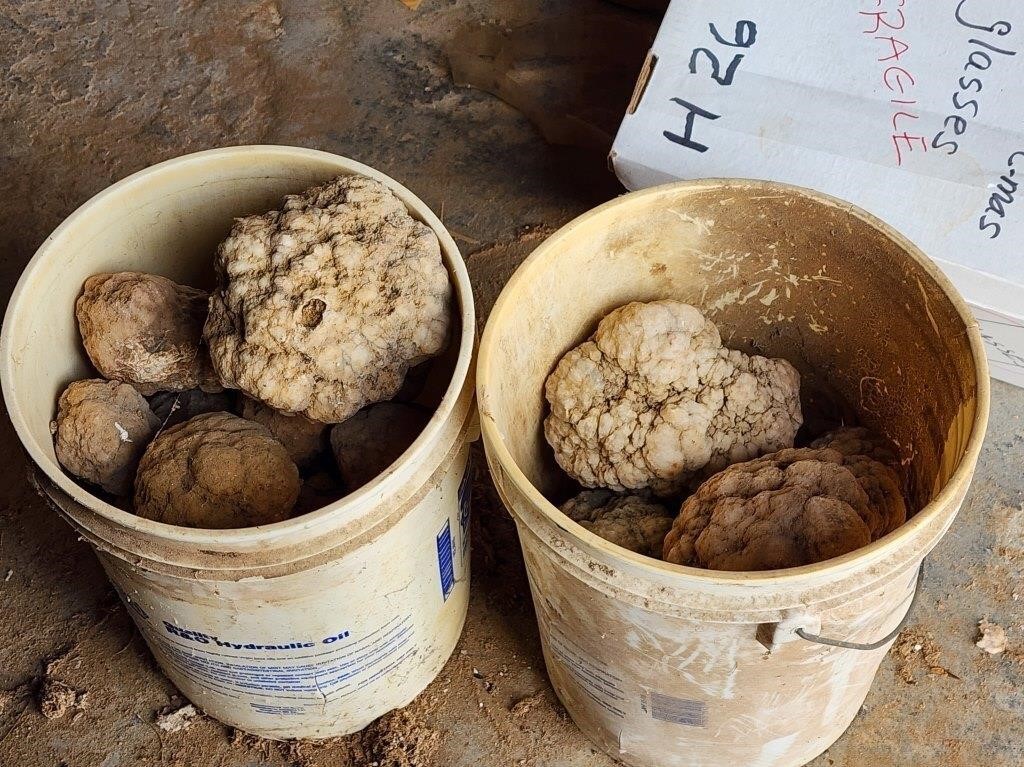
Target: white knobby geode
[(322, 306), (653, 400)]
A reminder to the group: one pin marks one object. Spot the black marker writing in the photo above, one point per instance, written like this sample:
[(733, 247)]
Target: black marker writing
[(693, 111), (744, 36)]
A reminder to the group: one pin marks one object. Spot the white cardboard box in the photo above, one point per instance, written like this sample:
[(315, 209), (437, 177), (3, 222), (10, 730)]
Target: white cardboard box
[(912, 109)]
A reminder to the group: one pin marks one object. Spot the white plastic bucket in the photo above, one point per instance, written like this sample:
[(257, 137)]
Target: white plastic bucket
[(311, 627), (666, 666)]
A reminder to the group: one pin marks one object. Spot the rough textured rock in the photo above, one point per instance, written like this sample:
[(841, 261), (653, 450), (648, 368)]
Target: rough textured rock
[(216, 471), (89, 98), (322, 306), (302, 438), (872, 460), (654, 400), (174, 407), (145, 330), (857, 440), (56, 699), (373, 439), (789, 508), (630, 521), (992, 639), (101, 431)]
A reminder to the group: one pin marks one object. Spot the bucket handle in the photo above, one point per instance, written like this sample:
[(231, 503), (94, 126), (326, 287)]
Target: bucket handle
[(803, 634)]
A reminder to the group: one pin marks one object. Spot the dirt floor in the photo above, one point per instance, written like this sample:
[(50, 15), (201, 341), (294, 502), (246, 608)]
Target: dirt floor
[(94, 91)]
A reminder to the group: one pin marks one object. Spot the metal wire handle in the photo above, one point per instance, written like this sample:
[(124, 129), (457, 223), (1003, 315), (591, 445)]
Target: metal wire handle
[(871, 645)]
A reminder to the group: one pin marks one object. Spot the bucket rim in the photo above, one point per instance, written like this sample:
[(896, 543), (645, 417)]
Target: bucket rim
[(682, 574), (346, 508)]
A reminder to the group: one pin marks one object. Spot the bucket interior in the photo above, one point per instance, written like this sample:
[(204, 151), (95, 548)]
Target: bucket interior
[(783, 273), (167, 221)]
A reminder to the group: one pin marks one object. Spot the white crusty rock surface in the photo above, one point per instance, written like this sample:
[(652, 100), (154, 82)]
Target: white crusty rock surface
[(322, 306), (630, 521), (653, 400), (146, 330), (101, 431), (993, 637), (216, 471)]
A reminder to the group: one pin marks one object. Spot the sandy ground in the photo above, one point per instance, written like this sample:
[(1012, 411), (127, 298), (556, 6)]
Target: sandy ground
[(94, 91)]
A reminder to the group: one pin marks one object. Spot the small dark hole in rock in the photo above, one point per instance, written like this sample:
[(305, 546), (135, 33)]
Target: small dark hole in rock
[(312, 313)]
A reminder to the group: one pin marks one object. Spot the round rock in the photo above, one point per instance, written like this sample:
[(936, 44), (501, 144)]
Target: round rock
[(216, 471)]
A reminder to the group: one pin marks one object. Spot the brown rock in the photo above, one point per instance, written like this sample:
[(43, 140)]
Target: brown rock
[(371, 440), (303, 438), (789, 508), (101, 431), (145, 330), (216, 471), (633, 522), (872, 461)]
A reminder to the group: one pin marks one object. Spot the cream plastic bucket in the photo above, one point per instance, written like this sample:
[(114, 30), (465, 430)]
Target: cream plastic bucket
[(311, 627), (663, 665)]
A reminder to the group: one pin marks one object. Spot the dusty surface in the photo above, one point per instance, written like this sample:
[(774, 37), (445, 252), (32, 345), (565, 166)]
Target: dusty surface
[(630, 521), (654, 400), (216, 471), (145, 330), (789, 508), (323, 305), (94, 92)]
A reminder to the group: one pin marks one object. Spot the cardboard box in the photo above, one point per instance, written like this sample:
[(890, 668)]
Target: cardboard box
[(911, 109)]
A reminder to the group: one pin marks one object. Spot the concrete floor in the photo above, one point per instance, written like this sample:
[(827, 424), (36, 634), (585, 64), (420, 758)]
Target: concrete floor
[(94, 91)]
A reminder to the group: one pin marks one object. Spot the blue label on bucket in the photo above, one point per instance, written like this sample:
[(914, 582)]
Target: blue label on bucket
[(446, 559), (286, 674), (465, 493)]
